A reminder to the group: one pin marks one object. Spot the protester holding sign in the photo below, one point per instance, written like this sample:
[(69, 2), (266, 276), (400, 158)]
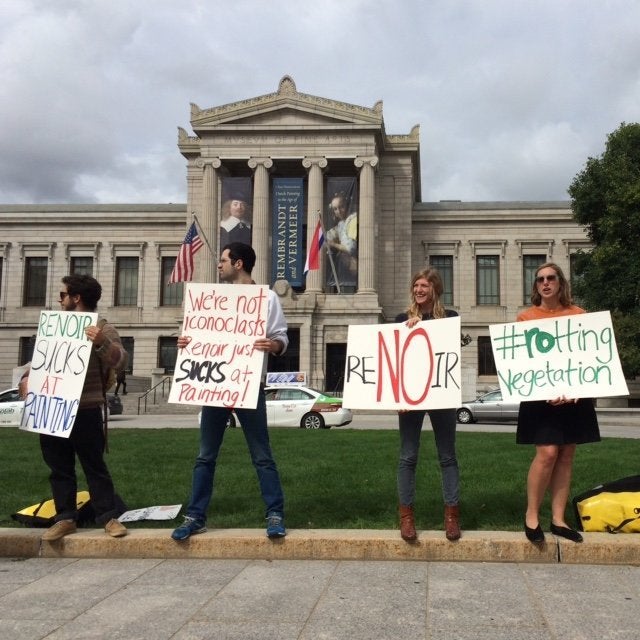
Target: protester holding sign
[(81, 293), (426, 289), (235, 266), (555, 426)]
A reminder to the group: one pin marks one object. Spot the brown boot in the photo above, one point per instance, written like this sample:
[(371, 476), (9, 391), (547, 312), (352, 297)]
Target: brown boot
[(407, 524), (451, 525)]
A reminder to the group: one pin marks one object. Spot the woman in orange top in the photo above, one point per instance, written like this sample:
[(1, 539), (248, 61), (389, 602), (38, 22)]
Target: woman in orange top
[(555, 426)]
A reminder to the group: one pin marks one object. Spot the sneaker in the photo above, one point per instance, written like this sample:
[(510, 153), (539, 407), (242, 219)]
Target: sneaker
[(275, 526), (59, 530), (189, 527), (115, 528)]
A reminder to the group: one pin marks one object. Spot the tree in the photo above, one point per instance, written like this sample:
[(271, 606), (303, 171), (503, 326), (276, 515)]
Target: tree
[(605, 198)]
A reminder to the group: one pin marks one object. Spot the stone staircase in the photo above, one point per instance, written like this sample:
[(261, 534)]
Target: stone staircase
[(156, 402)]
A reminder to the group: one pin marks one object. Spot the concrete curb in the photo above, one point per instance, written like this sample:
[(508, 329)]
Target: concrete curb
[(325, 544)]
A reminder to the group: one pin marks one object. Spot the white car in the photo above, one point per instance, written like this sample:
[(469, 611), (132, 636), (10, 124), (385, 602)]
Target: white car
[(296, 406), (11, 408)]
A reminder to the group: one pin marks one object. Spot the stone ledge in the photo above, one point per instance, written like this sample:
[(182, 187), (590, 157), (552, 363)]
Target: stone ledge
[(325, 544)]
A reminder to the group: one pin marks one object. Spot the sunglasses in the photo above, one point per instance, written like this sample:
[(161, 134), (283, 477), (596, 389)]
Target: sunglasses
[(551, 278), (63, 295)]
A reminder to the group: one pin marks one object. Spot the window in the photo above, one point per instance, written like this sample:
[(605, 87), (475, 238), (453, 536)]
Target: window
[(81, 265), (26, 349), (444, 265), (574, 278), (170, 294), (530, 264), (126, 282), (1, 264), (127, 343), (167, 353), (35, 282), (486, 363), (488, 280)]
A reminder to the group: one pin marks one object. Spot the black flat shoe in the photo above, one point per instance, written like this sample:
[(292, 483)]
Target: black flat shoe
[(565, 532), (534, 535)]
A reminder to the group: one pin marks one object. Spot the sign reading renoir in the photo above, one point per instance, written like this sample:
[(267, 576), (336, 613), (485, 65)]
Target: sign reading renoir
[(58, 369), (392, 366), (220, 367), (575, 356)]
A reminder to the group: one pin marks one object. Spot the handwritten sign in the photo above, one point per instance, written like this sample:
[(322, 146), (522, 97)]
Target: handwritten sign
[(220, 367), (391, 366), (575, 356), (58, 369)]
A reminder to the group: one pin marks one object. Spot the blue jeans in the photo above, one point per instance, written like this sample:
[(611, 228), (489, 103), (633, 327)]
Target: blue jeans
[(443, 422), (254, 426)]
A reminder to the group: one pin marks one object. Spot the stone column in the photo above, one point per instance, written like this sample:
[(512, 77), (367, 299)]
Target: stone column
[(210, 219), (260, 233), (366, 226), (315, 166)]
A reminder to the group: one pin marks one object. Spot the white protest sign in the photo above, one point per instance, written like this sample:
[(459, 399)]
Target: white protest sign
[(392, 366), (220, 367), (58, 369), (575, 356)]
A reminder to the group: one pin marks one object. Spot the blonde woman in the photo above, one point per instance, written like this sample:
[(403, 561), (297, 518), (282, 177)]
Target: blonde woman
[(426, 289)]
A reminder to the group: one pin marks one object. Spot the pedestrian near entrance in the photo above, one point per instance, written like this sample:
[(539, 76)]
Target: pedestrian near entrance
[(555, 426), (87, 439), (235, 266), (426, 290)]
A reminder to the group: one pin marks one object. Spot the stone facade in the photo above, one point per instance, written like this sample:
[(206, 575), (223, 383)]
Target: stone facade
[(288, 134)]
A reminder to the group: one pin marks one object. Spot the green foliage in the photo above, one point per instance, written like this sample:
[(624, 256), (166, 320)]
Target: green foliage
[(606, 200), (333, 479)]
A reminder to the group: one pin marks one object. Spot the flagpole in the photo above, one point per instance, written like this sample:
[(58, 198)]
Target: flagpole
[(329, 254), (204, 237)]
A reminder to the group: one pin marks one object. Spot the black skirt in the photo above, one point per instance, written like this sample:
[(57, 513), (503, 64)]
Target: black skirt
[(541, 423)]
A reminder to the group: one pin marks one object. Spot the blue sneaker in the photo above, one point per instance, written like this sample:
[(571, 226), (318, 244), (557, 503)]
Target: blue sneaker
[(189, 527), (275, 526)]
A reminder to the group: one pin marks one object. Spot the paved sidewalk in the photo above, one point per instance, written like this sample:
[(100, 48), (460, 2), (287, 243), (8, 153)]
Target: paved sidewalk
[(129, 599)]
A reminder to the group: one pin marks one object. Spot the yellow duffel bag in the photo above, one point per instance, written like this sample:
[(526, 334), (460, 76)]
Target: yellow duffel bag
[(613, 507)]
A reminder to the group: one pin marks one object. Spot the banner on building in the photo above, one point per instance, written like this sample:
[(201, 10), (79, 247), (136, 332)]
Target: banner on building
[(287, 211), (392, 366), (220, 367), (58, 370), (236, 215), (575, 356), (341, 237)]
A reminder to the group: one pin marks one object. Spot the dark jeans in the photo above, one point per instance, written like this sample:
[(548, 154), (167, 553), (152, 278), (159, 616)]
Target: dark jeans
[(87, 442), (443, 423), (254, 426)]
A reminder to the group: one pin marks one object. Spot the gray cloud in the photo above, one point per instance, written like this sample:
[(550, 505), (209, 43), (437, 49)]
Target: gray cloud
[(511, 97)]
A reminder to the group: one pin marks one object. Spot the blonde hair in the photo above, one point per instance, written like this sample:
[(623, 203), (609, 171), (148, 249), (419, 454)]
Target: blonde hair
[(564, 292), (433, 276)]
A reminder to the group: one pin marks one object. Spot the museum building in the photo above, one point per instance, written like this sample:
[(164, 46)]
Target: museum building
[(268, 170)]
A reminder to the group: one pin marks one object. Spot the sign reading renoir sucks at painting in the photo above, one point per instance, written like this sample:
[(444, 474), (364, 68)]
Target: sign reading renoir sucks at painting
[(392, 366), (220, 367), (58, 369), (575, 356)]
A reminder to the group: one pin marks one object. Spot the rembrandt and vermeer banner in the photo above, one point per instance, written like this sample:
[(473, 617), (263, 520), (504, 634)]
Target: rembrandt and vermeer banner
[(287, 231), (575, 356)]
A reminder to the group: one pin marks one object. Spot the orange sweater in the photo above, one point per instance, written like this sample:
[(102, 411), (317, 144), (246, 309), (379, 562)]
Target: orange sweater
[(538, 313)]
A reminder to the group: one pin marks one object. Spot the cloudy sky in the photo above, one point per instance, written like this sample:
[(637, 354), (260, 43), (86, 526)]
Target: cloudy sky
[(512, 96)]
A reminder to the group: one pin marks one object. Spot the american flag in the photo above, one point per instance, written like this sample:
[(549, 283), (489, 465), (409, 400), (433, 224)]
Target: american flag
[(183, 269)]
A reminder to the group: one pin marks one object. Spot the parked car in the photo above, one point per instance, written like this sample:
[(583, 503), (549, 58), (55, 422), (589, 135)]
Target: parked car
[(296, 406), (11, 408), (489, 406)]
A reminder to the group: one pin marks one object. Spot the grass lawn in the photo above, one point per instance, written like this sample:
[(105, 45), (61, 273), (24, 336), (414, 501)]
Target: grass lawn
[(333, 479)]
